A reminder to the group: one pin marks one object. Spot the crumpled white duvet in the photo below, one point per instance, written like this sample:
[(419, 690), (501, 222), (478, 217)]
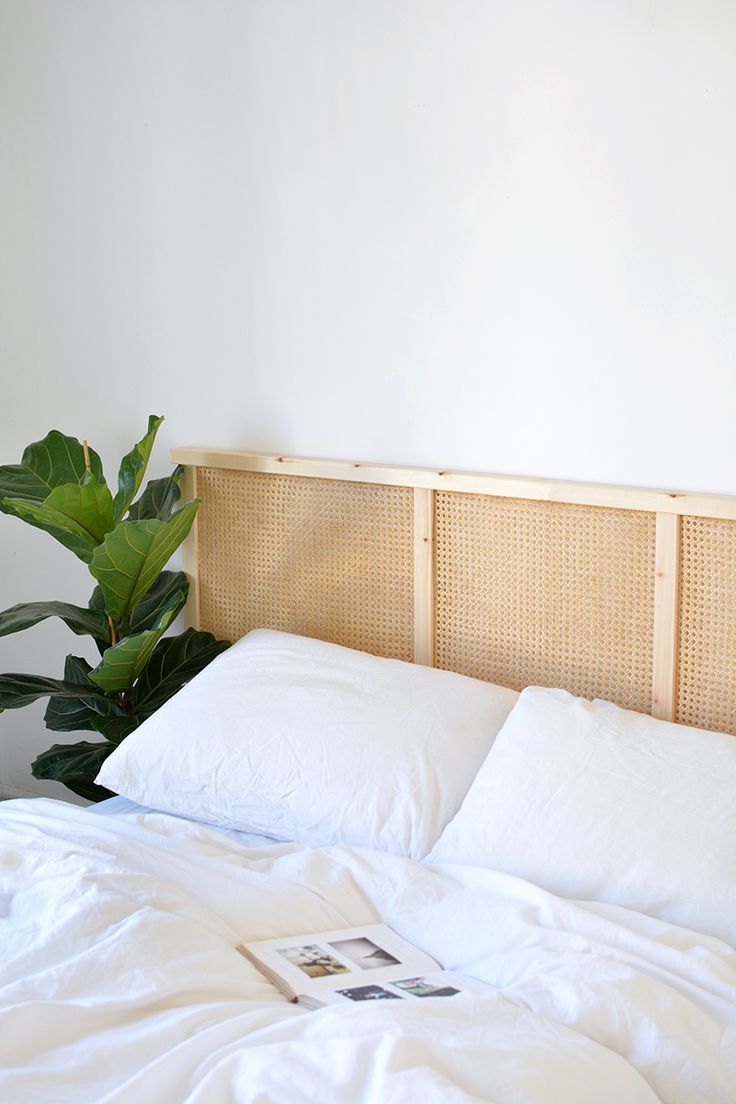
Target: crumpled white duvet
[(119, 981)]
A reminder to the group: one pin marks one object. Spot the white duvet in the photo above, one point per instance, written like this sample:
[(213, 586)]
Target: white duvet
[(119, 981)]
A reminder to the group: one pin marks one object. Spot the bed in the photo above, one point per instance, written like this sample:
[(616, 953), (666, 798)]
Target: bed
[(452, 710)]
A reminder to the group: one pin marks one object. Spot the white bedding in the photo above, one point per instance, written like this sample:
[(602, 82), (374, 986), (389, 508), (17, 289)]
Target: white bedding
[(122, 806), (119, 980)]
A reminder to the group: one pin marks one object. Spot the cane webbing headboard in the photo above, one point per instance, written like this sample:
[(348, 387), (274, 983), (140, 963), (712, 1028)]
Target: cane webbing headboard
[(312, 556), (618, 593)]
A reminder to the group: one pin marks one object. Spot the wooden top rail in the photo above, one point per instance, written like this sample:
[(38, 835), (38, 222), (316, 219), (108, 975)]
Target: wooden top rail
[(503, 486)]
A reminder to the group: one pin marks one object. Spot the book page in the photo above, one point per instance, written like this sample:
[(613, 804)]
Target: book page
[(341, 959), (440, 984)]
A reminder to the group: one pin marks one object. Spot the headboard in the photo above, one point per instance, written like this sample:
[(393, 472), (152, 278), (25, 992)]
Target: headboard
[(611, 592)]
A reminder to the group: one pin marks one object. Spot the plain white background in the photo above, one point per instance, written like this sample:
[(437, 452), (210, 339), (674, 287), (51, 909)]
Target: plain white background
[(459, 233)]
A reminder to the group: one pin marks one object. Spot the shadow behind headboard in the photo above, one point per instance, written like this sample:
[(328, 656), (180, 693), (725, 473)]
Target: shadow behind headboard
[(609, 592)]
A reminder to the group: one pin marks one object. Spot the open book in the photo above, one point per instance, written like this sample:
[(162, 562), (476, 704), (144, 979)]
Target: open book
[(352, 964)]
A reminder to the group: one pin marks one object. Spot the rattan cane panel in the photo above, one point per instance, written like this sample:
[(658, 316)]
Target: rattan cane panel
[(706, 695), (546, 593), (322, 558)]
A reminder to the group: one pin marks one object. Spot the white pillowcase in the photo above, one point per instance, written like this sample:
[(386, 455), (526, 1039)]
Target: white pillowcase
[(301, 740), (598, 803)]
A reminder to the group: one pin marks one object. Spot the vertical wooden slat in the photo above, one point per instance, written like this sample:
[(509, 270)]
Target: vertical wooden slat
[(423, 576), (666, 610), (190, 552)]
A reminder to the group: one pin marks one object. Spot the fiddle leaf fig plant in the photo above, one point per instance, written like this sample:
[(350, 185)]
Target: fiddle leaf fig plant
[(125, 542)]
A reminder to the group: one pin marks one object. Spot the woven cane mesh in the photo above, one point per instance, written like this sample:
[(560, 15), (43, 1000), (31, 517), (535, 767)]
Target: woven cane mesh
[(546, 593), (706, 694), (321, 558)]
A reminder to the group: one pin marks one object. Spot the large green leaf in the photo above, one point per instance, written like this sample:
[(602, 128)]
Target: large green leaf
[(174, 662), (157, 599), (71, 714), (153, 602), (115, 729), (97, 600), (77, 669), (19, 690), (132, 556), (159, 498), (84, 622), (133, 468), (47, 464), (120, 665), (77, 515), (62, 529), (76, 766)]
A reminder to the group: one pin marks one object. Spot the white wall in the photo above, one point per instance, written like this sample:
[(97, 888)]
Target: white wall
[(463, 233)]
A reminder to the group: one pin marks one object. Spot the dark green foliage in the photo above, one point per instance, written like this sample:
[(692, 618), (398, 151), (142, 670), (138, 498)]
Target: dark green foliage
[(71, 714), (158, 599), (54, 462), (133, 468), (59, 487), (159, 498), (174, 662), (76, 766), (84, 622)]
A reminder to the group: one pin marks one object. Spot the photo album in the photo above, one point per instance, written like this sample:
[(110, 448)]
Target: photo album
[(352, 964)]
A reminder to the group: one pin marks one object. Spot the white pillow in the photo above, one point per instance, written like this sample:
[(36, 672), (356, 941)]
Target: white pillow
[(301, 740), (598, 803)]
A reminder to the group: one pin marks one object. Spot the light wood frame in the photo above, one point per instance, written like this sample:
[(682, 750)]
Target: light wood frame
[(667, 507)]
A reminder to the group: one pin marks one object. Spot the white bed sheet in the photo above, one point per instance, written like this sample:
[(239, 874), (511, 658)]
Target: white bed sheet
[(123, 806), (119, 980)]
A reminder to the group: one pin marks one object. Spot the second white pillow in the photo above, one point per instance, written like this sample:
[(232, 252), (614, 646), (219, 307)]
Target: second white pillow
[(599, 803)]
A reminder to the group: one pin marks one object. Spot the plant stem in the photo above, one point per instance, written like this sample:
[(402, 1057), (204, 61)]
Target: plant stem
[(113, 635), (85, 446)]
